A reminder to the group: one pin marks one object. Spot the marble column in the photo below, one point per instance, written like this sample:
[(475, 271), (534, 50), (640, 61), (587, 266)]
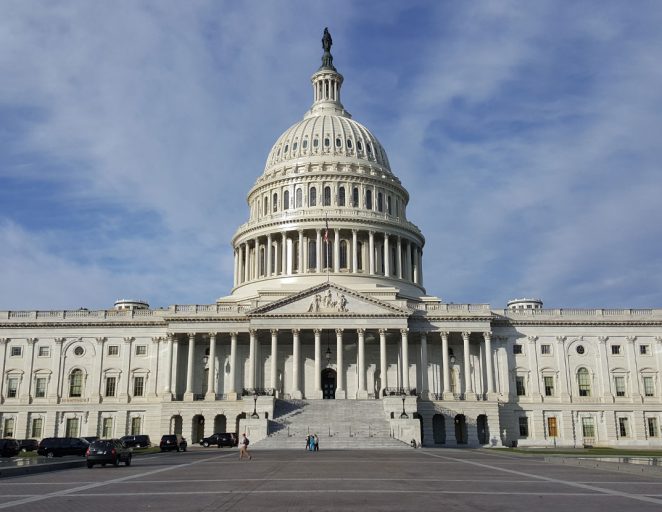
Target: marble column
[(424, 365), (355, 252), (251, 359), (290, 257), (362, 393), (296, 348), (256, 263), (318, 251), (167, 391), (274, 361), (446, 374), (408, 260), (468, 384), (300, 253), (488, 365), (232, 377), (383, 369), (371, 248), (405, 358), (211, 368), (387, 257), (246, 261), (318, 364), (340, 367), (188, 394), (283, 253), (269, 255)]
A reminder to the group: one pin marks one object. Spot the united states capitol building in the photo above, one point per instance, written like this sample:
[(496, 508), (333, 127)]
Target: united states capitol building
[(329, 329)]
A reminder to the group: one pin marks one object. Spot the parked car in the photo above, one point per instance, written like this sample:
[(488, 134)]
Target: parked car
[(89, 439), (59, 446), (107, 451), (28, 445), (9, 447), (220, 439), (141, 441), (173, 442)]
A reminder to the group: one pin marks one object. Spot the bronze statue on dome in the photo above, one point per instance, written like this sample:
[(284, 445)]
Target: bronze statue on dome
[(327, 58)]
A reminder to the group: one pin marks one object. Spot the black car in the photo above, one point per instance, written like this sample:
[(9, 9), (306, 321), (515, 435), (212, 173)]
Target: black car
[(28, 445), (89, 439), (140, 441), (220, 439), (59, 446), (9, 447), (173, 442), (108, 451)]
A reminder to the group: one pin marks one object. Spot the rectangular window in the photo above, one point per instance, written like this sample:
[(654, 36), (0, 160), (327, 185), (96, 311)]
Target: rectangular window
[(644, 350), (71, 429), (113, 350), (549, 386), (552, 431), (652, 427), (111, 383), (588, 427), (623, 429), (649, 386), (12, 387), (40, 387), (519, 384), (615, 350), (517, 348), (138, 386), (107, 428), (9, 427), (523, 426), (16, 351), (44, 351), (37, 427), (141, 350), (545, 350), (619, 385), (136, 423)]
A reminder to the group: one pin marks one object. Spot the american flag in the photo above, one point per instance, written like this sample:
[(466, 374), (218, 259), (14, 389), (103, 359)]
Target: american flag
[(326, 230)]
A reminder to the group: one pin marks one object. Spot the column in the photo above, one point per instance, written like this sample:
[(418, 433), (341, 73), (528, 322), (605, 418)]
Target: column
[(533, 366), (633, 368), (387, 257), (563, 368), (420, 266), (126, 365), (283, 253), (167, 392), (362, 393), (256, 263), (269, 251), (296, 392), (274, 361), (383, 369), (300, 253), (399, 258), (99, 362), (371, 248), (336, 250), (290, 257), (424, 365), (188, 394), (232, 377), (246, 261), (211, 366), (318, 364), (306, 255), (251, 359), (488, 365), (340, 367), (468, 385), (152, 379), (318, 250), (408, 261), (405, 358), (355, 252), (26, 388), (447, 393), (276, 258), (234, 275), (415, 262)]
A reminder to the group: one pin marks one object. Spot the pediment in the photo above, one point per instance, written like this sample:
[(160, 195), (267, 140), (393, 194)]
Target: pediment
[(328, 300)]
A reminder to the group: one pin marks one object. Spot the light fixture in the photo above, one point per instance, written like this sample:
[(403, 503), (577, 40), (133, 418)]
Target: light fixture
[(205, 359), (327, 354), (255, 415), (451, 357)]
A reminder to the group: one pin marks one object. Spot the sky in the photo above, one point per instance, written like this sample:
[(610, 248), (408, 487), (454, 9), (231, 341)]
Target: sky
[(528, 134)]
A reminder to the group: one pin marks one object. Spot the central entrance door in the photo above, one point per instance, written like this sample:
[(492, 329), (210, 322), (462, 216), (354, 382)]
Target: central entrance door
[(328, 384)]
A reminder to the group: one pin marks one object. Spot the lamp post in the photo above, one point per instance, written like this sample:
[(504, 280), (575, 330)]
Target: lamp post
[(255, 415), (404, 415)]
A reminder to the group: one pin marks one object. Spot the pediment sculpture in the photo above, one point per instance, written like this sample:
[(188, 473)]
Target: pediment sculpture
[(328, 303)]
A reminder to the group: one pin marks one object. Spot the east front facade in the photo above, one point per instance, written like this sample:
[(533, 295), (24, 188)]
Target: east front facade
[(329, 319)]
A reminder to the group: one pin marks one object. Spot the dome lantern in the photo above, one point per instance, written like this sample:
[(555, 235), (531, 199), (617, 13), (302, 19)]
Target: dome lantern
[(326, 84)]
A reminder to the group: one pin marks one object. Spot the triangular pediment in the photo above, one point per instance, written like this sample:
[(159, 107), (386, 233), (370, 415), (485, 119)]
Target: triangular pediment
[(328, 300)]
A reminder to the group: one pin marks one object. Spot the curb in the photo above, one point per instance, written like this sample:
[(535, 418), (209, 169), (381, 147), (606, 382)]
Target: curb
[(623, 467), (30, 469)]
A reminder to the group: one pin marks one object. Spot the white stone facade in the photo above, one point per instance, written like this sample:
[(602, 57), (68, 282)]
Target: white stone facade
[(328, 302)]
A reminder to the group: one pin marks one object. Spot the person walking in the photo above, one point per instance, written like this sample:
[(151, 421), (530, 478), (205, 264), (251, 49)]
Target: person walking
[(317, 443), (311, 443), (243, 448), (307, 442)]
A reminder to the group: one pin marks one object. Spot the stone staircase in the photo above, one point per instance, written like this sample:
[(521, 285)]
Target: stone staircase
[(339, 424)]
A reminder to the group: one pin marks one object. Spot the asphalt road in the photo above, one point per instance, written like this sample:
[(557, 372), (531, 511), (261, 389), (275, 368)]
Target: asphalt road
[(449, 480)]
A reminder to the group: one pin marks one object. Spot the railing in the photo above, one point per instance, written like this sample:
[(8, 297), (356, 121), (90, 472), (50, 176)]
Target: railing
[(400, 392), (258, 392), (519, 313), (198, 396)]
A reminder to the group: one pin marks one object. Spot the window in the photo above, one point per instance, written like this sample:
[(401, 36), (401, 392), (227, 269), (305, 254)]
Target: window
[(71, 429), (327, 196), (343, 254), (138, 386), (552, 430), (274, 202), (107, 428), (37, 427), (588, 427), (12, 387), (16, 352), (304, 143), (517, 348), (355, 197), (316, 142), (651, 423), (111, 384), (113, 350), (76, 384), (619, 385), (359, 255), (644, 350), (388, 205), (615, 350), (141, 350), (265, 208), (338, 142), (368, 199), (295, 256), (523, 426), (44, 352), (136, 423), (298, 198), (286, 200), (580, 350), (79, 351), (327, 142), (9, 427), (369, 148), (312, 197), (519, 385), (545, 350), (312, 254), (359, 145), (341, 196), (287, 146), (649, 386), (549, 385), (295, 146), (380, 202), (623, 427), (584, 382), (349, 143), (40, 387)]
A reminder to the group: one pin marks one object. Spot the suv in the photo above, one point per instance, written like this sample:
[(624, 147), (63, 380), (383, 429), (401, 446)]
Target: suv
[(108, 451), (140, 441), (220, 439), (59, 446), (28, 445), (9, 447), (173, 442)]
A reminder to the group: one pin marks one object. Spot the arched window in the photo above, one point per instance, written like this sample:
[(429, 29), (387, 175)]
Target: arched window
[(312, 254), (341, 196), (355, 197), (312, 197), (266, 206), (273, 259), (380, 202), (295, 256), (299, 198), (343, 254), (76, 384), (388, 205), (397, 208), (286, 200), (359, 255), (584, 382), (263, 261), (368, 199), (327, 196), (274, 202)]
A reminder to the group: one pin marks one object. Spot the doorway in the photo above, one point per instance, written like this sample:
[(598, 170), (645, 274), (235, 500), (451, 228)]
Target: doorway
[(460, 429), (328, 384)]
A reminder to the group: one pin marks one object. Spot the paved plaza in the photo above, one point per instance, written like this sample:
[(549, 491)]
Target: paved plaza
[(213, 479)]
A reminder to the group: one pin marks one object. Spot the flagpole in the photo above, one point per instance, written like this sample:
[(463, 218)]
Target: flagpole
[(326, 241)]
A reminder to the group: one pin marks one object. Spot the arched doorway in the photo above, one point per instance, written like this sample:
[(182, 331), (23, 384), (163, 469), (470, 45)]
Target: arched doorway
[(328, 384), (176, 424), (460, 429), (241, 416), (439, 429), (220, 423), (483, 429), (197, 428)]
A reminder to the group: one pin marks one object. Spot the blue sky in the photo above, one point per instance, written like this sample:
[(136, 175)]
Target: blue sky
[(527, 133)]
